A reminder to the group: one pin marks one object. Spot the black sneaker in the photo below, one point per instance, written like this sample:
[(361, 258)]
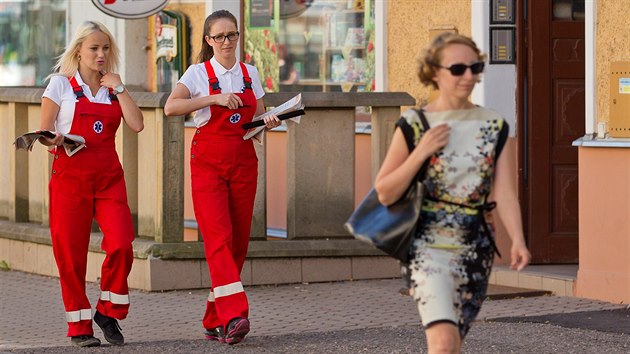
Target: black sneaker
[(85, 341), (215, 333), (237, 329), (110, 327)]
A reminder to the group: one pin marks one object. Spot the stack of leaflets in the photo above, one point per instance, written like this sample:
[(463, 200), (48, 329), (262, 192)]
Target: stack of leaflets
[(292, 109), (71, 143)]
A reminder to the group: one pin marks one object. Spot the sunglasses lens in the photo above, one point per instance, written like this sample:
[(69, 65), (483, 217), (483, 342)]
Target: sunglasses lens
[(457, 69), (477, 68)]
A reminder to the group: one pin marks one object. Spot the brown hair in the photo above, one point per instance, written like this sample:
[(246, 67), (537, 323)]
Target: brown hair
[(432, 56), (207, 52)]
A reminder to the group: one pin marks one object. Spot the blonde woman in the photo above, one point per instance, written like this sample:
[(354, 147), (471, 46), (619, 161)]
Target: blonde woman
[(452, 254), (86, 97)]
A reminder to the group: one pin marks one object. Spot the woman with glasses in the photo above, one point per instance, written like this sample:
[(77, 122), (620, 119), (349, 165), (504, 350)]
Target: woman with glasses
[(224, 94), (86, 97), (452, 254)]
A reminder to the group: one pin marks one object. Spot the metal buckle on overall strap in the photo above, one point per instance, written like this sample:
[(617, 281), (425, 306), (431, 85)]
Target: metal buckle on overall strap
[(112, 96), (78, 92), (247, 81), (214, 84)]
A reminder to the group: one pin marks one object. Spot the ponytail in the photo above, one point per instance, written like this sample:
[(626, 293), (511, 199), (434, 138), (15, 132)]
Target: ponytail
[(206, 52)]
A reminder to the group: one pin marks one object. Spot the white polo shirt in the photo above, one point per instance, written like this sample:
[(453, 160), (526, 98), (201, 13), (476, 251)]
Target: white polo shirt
[(230, 80), (60, 91)]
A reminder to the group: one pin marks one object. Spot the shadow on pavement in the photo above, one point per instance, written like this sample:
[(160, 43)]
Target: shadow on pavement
[(612, 321)]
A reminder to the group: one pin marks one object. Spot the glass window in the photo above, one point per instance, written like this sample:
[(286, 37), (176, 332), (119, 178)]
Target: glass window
[(32, 34), (311, 45), (568, 10)]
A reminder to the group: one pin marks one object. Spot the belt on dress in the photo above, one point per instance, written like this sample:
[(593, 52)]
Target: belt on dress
[(481, 220)]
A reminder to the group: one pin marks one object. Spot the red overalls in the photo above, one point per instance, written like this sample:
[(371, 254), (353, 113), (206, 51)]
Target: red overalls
[(90, 185), (224, 170)]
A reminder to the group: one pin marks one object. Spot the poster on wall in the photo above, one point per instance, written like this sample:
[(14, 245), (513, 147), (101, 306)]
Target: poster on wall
[(130, 9), (171, 48), (166, 39)]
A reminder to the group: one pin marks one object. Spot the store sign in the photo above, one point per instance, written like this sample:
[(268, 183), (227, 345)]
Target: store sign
[(130, 9)]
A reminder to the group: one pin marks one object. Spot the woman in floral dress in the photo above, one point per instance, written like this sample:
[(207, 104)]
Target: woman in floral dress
[(452, 255)]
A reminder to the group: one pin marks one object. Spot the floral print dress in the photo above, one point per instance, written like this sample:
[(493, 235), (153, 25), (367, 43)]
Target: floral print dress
[(452, 254)]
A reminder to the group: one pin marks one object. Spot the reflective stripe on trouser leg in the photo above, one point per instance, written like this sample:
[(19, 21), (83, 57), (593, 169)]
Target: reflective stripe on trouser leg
[(229, 289), (79, 315), (114, 218), (114, 298)]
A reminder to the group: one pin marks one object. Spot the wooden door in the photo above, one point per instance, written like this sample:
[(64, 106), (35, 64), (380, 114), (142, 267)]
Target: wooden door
[(554, 118)]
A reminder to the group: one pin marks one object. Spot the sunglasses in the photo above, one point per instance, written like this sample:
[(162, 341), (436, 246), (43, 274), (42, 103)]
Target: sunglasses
[(460, 69)]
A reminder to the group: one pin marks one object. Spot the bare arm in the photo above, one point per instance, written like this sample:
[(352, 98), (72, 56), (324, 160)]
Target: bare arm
[(271, 121), (48, 116), (508, 208), (180, 103), (260, 107), (400, 167), (130, 111)]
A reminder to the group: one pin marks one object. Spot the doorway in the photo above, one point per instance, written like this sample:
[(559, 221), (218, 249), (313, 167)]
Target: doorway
[(551, 107)]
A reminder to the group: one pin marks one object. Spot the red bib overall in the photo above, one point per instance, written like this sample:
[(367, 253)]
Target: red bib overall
[(224, 171), (90, 185)]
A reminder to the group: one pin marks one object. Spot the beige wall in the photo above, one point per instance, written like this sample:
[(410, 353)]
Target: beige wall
[(612, 44), (411, 24), (604, 271)]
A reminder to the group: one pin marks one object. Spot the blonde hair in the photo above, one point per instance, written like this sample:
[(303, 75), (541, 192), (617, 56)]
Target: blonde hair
[(431, 57), (68, 62)]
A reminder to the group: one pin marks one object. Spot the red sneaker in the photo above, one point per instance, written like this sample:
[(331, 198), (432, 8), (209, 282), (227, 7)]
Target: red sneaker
[(237, 329)]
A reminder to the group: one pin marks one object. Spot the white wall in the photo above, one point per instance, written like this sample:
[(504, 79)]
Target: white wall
[(590, 77), (130, 35), (380, 45), (497, 89)]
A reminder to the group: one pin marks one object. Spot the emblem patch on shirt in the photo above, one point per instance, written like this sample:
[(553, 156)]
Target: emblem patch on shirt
[(98, 127), (235, 118)]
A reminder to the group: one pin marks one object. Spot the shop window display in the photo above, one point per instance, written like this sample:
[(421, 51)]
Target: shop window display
[(32, 34), (311, 45)]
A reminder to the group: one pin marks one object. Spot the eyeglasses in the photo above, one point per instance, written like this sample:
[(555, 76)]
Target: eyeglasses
[(460, 69), (221, 38)]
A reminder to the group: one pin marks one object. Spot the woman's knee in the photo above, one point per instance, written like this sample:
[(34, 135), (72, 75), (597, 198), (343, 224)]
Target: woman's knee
[(443, 337)]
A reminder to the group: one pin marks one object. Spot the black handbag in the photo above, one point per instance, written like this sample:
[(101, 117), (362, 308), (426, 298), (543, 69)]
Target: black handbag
[(391, 228)]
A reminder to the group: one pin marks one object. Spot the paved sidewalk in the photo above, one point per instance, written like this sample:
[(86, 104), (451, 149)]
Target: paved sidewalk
[(32, 314)]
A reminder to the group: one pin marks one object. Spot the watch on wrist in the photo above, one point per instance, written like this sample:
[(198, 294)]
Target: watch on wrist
[(119, 89)]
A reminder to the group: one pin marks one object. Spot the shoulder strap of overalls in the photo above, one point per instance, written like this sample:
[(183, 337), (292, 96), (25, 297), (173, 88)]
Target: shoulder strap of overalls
[(212, 79), (247, 81), (78, 90)]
